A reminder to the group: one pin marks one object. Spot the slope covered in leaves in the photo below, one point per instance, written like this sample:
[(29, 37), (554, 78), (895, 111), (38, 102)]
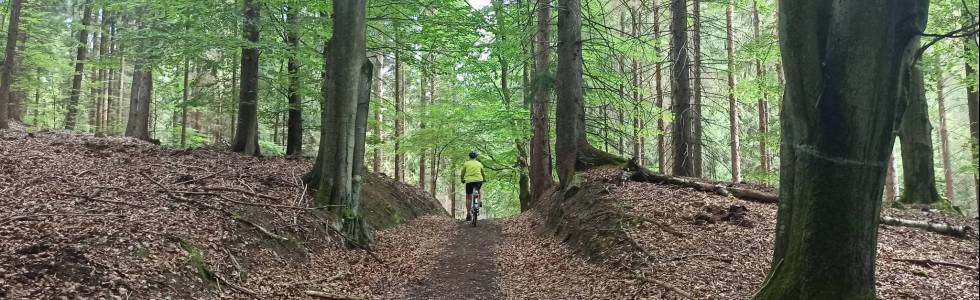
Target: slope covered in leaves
[(112, 217)]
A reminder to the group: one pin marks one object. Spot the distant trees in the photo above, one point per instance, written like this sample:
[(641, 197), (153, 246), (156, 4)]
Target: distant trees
[(81, 53), (6, 73), (915, 133), (845, 71), (294, 137)]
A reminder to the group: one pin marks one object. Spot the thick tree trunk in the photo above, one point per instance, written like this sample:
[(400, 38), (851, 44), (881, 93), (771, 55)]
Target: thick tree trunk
[(569, 128), (247, 132), (683, 135), (399, 119), (973, 106), (6, 74), (944, 138), (846, 63), (916, 140), (76, 82), (763, 105), (636, 83), (733, 128), (294, 131), (140, 96), (698, 87), (345, 112), (540, 166)]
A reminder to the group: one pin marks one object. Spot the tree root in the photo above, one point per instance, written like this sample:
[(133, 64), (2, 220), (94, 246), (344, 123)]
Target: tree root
[(642, 174), (930, 262)]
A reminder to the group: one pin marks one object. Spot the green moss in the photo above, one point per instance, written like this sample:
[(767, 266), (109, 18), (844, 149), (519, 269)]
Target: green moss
[(198, 261)]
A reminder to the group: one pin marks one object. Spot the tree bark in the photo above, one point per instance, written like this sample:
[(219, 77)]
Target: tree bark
[(378, 161), (345, 112), (683, 135), (733, 126), (294, 131), (424, 153), (183, 106), (973, 106), (944, 138), (763, 105), (698, 156), (658, 77), (891, 183), (569, 128), (247, 132), (846, 63), (916, 140), (76, 82), (540, 166), (399, 118), (140, 96), (6, 74)]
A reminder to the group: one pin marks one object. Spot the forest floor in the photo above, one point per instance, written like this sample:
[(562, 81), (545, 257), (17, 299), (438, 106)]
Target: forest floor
[(87, 217)]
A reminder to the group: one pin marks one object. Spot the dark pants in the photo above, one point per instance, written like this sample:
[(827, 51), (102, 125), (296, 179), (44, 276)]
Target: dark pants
[(473, 186)]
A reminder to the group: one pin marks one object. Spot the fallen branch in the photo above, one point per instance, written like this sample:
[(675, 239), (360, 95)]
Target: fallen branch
[(312, 281), (83, 197), (665, 285), (941, 228), (325, 295), (223, 198), (28, 217), (231, 189), (260, 228), (642, 174), (662, 225), (929, 262), (705, 255), (199, 179)]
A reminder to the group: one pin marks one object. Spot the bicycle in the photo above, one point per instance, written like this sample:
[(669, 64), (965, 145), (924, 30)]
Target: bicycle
[(475, 206)]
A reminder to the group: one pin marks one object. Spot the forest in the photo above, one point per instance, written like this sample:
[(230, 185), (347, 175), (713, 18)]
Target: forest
[(284, 149)]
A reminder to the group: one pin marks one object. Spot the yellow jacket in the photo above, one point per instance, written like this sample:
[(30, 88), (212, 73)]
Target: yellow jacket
[(472, 172)]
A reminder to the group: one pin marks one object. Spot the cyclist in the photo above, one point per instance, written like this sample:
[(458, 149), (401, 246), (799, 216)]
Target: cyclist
[(473, 177)]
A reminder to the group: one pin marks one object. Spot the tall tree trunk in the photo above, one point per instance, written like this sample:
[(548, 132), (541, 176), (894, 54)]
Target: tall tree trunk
[(183, 106), (658, 77), (763, 102), (846, 63), (6, 74), (94, 79), (733, 127), (399, 119), (540, 167), (294, 131), (103, 76), (346, 101), (944, 137), (683, 136), (917, 150), (635, 81), (569, 128), (140, 96), (81, 53), (424, 153), (973, 105), (247, 132), (452, 196), (698, 87), (378, 87)]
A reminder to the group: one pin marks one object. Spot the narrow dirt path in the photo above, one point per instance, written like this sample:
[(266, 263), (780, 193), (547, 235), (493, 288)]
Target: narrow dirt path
[(468, 270)]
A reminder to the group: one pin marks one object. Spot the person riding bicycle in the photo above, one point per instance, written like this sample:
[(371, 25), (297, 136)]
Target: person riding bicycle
[(473, 177)]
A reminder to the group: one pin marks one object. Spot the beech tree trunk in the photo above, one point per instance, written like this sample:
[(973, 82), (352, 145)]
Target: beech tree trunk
[(973, 105), (345, 112), (247, 132), (294, 130), (183, 106), (6, 73), (891, 183), (102, 88), (140, 96), (424, 153), (733, 126), (76, 82), (680, 87), (944, 138), (846, 63), (916, 140), (540, 166)]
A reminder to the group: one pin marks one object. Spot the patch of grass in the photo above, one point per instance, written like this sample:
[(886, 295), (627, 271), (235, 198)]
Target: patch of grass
[(199, 262)]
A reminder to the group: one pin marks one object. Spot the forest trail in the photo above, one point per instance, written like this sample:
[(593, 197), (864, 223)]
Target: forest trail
[(467, 269)]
